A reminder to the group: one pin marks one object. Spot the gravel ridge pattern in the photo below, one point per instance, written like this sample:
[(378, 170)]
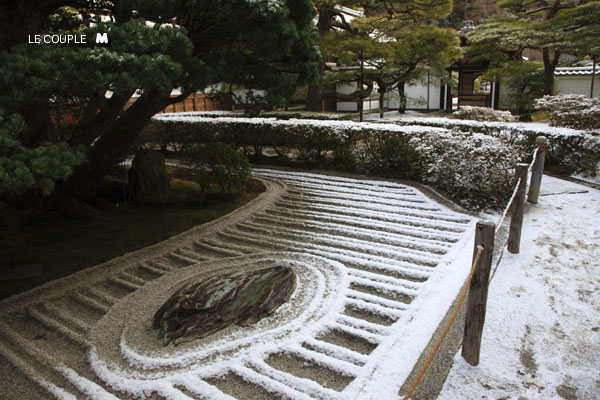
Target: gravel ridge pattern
[(371, 258)]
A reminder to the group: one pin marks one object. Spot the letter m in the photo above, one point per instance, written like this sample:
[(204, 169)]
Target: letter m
[(102, 37)]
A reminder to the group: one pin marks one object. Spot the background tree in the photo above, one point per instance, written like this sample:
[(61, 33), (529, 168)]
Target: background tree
[(477, 11), (155, 47), (411, 53), (525, 24), (390, 51), (331, 18), (581, 27), (524, 79)]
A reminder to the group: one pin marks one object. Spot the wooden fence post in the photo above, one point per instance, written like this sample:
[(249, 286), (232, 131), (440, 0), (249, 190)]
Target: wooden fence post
[(538, 169), (517, 210), (477, 300)]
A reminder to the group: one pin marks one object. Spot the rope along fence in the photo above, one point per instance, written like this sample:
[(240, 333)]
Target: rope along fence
[(479, 276), (446, 329)]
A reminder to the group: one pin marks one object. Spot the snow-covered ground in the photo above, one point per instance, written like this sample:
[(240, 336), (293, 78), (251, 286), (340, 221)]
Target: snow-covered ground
[(541, 338), (591, 179)]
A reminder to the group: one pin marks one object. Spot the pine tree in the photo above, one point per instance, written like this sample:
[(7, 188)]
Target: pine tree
[(413, 52), (411, 12), (155, 46), (526, 24), (390, 51), (581, 27)]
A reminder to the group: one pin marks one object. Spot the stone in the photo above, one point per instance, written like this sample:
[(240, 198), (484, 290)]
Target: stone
[(199, 309), (148, 178)]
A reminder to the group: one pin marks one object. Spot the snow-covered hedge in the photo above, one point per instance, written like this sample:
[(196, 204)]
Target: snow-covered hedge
[(312, 139), (572, 111), (265, 114), (570, 151), (475, 169), (482, 114), (471, 168)]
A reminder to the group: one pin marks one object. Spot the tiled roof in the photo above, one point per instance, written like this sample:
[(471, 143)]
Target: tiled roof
[(587, 70)]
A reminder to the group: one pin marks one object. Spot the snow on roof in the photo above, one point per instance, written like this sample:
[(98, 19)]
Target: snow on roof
[(586, 70), (349, 11)]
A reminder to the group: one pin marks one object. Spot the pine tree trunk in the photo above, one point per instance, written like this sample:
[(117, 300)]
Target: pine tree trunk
[(402, 105), (593, 77), (114, 145), (550, 63), (314, 96), (360, 83), (382, 91)]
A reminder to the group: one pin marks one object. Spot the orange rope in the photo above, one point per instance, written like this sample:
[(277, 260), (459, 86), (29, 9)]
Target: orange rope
[(446, 329)]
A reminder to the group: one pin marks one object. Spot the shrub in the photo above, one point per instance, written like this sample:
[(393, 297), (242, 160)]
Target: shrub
[(218, 164), (391, 154), (473, 169), (285, 115), (572, 111), (154, 133), (482, 114), (569, 151)]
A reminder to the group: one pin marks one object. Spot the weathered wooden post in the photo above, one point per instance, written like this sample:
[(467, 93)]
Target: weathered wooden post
[(477, 300), (538, 169), (517, 210)]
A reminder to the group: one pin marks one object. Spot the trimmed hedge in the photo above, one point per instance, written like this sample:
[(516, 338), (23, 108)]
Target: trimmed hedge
[(313, 140), (475, 170), (482, 164), (569, 151), (572, 111), (482, 114), (217, 164), (265, 114)]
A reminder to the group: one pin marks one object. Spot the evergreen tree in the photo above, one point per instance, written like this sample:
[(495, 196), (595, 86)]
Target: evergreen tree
[(331, 18), (412, 52), (526, 81), (390, 51), (354, 50), (526, 24), (477, 11), (155, 46), (581, 27)]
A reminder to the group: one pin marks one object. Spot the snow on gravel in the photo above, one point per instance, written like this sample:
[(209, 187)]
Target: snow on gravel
[(401, 258), (541, 338), (373, 282)]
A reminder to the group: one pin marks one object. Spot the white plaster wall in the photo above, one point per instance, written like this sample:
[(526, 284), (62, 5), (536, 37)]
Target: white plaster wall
[(351, 106), (393, 99), (369, 104), (348, 106), (417, 95), (576, 84), (241, 94)]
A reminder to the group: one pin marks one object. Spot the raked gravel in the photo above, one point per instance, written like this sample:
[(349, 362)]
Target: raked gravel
[(378, 265)]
